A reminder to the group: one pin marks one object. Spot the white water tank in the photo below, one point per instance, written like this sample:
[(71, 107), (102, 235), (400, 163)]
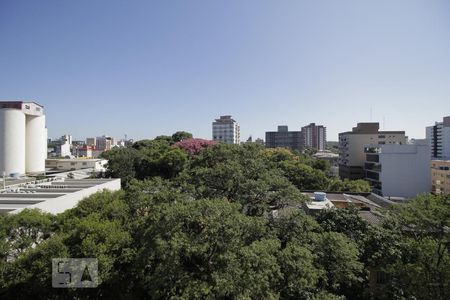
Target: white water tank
[(320, 196), (36, 144), (12, 137)]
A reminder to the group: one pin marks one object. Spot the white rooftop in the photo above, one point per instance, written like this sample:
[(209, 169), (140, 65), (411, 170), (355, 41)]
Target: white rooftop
[(53, 196)]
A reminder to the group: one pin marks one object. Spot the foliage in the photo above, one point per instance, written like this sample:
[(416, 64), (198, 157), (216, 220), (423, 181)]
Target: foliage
[(181, 136), (225, 222), (193, 146)]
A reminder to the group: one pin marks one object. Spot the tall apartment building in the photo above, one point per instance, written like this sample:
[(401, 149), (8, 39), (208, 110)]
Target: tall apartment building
[(396, 170), (226, 130), (440, 177), (105, 143), (352, 143), (314, 136), (439, 137), (91, 142), (284, 138)]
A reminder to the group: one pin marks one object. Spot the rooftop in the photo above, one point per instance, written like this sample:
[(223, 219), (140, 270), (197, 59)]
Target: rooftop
[(52, 195)]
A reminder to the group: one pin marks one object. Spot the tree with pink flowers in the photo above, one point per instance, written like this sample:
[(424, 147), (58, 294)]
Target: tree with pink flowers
[(194, 146)]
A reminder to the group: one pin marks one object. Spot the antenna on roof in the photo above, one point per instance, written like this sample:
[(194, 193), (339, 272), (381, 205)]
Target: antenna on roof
[(384, 123), (370, 114)]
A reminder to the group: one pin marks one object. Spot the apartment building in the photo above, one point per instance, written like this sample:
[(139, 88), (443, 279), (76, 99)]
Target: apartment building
[(284, 138), (226, 130), (352, 144), (395, 170), (439, 137), (440, 177), (314, 136)]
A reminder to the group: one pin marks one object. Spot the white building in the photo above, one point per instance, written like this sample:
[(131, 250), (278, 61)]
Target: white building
[(439, 137), (64, 149), (352, 143), (226, 130), (399, 170), (52, 196), (23, 138)]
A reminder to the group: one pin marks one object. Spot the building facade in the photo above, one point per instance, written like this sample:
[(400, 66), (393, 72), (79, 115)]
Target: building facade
[(398, 170), (91, 141), (23, 138), (284, 138), (352, 144), (226, 130), (105, 143), (440, 177), (439, 137), (314, 136), (96, 164)]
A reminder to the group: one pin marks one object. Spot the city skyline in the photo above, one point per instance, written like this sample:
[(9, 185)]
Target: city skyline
[(147, 69)]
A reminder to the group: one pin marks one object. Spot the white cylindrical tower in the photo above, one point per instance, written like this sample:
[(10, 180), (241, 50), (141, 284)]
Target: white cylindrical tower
[(12, 135), (36, 144)]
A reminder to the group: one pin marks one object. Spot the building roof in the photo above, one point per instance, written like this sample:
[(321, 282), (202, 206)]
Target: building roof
[(18, 103), (319, 205), (370, 216), (52, 196), (360, 199)]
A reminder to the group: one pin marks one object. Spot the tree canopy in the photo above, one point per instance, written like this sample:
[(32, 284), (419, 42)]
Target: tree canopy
[(225, 222)]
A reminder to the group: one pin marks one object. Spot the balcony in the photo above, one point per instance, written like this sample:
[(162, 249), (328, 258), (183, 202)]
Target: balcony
[(372, 175), (372, 157), (374, 150), (370, 166)]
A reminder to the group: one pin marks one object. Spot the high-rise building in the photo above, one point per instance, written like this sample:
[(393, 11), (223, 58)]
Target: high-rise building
[(395, 170), (284, 138), (440, 177), (23, 138), (352, 144), (226, 130), (105, 143), (439, 137), (314, 136), (91, 142)]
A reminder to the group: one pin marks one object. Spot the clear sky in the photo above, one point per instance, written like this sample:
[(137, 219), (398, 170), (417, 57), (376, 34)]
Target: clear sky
[(146, 68)]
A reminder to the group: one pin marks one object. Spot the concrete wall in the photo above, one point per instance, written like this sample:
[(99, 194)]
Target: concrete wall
[(405, 169)]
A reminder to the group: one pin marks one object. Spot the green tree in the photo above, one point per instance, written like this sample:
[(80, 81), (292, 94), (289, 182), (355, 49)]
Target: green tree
[(337, 256), (19, 232), (207, 249), (422, 270), (181, 135), (122, 163)]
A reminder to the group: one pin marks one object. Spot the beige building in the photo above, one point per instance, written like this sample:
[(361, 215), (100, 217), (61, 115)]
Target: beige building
[(96, 164), (440, 177), (352, 144), (91, 142)]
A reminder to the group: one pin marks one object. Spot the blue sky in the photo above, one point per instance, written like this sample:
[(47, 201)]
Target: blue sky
[(146, 68)]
